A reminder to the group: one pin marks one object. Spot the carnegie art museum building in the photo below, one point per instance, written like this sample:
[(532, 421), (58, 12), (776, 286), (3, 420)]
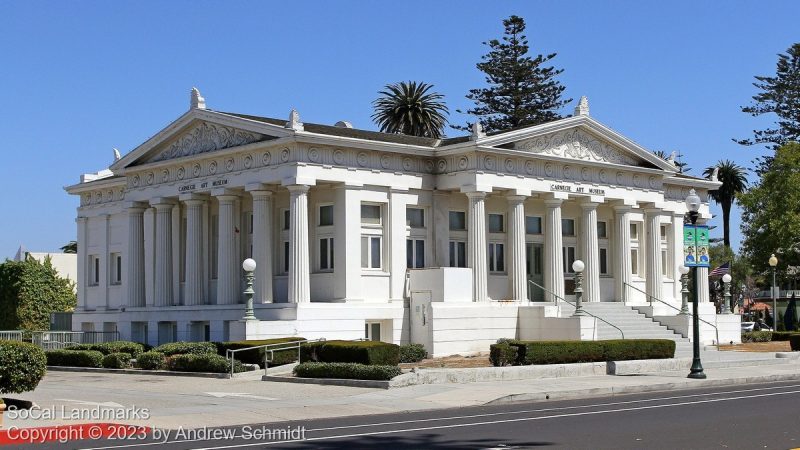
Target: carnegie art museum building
[(452, 243)]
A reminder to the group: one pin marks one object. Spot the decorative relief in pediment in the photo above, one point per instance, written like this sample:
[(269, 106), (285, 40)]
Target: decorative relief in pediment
[(207, 137), (576, 144)]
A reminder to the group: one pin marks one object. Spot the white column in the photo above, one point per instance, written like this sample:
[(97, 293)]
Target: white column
[(622, 250), (676, 250), (227, 262), (590, 249), (440, 226), (553, 256), (347, 242), (135, 256), (516, 245), (176, 254), (299, 267), (476, 253), (653, 272), (83, 262), (398, 232), (105, 260), (162, 289), (262, 244), (194, 291), (149, 256)]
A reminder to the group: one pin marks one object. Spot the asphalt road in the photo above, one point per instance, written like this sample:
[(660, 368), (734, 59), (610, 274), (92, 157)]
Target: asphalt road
[(765, 416)]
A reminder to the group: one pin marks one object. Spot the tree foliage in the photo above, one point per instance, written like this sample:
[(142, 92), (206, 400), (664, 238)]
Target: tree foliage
[(682, 166), (409, 108), (70, 247), (29, 291), (734, 182), (521, 90)]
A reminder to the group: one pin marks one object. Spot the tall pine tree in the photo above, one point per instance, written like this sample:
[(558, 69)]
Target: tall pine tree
[(522, 90)]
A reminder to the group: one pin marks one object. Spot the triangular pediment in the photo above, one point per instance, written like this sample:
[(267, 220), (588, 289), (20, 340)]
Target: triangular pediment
[(203, 137), (577, 144)]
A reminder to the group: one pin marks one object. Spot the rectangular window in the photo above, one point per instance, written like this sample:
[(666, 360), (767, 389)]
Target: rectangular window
[(635, 261), (285, 256), (496, 224), (458, 220), (569, 258), (94, 270), (567, 227), (603, 261), (326, 253), (371, 214), (415, 217), (533, 225), (634, 232), (372, 331), (371, 252), (458, 254), (664, 264), (326, 215), (116, 268), (286, 219), (664, 233), (601, 230), (496, 258), (415, 253)]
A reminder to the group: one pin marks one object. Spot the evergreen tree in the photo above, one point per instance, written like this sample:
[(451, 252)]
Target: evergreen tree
[(521, 90)]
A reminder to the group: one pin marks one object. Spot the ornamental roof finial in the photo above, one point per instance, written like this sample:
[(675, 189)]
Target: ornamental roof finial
[(196, 100), (477, 131), (583, 107), (294, 122)]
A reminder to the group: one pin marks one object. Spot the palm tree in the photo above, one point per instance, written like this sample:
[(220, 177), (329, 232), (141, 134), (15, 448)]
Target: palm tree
[(71, 247), (734, 181), (409, 108)]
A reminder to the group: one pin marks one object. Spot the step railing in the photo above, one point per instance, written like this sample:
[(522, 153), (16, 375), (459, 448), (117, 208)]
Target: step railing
[(269, 351), (11, 336), (57, 340), (558, 297), (650, 299)]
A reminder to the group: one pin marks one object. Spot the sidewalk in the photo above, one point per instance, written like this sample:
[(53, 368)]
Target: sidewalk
[(173, 402)]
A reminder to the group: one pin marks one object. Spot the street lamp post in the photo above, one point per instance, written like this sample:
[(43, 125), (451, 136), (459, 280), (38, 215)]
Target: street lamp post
[(578, 267), (684, 289), (693, 205), (773, 261), (249, 265), (726, 296)]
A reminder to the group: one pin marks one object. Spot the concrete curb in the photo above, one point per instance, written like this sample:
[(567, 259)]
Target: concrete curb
[(330, 381), (163, 373), (621, 390)]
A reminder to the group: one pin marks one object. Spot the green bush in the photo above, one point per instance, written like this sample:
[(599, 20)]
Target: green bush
[(567, 352), (757, 336), (29, 291), (107, 348), (412, 353), (74, 358), (373, 353), (351, 371), (22, 366), (502, 354), (794, 342), (782, 335), (117, 361), (212, 363), (187, 348), (151, 361), (256, 356)]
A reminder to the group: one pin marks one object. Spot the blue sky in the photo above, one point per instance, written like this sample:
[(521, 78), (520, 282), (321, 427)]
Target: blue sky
[(78, 78)]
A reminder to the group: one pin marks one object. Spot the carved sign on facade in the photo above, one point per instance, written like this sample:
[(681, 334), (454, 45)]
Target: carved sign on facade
[(575, 144), (207, 137)]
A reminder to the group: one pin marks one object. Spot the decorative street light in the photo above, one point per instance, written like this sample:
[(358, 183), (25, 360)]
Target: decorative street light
[(693, 205), (578, 267), (773, 261), (726, 298), (249, 265), (684, 289)]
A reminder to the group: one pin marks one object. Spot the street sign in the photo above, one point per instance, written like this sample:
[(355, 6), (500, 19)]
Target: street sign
[(695, 246)]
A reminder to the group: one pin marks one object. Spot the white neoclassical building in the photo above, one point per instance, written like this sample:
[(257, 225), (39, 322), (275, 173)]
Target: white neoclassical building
[(452, 243)]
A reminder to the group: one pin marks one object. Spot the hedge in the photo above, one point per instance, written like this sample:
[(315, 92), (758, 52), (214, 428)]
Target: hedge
[(151, 361), (373, 353), (412, 353), (794, 342), (502, 354), (107, 348), (187, 348), (202, 363), (117, 361), (74, 358), (256, 356), (783, 335), (29, 291), (351, 371), (757, 336), (567, 352), (22, 366)]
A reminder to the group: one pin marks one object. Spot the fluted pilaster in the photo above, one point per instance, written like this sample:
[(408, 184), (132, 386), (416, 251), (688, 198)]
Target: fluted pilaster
[(135, 256), (590, 251), (516, 244), (476, 253), (553, 257), (299, 266)]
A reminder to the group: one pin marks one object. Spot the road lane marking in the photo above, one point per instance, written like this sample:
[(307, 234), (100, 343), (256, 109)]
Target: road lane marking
[(238, 394)]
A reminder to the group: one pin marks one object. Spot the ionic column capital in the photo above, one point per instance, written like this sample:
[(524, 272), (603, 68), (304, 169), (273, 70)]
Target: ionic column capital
[(475, 195), (162, 203), (516, 199), (553, 202), (297, 189), (135, 207)]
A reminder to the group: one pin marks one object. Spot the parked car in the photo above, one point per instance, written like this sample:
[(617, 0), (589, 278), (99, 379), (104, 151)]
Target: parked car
[(748, 327)]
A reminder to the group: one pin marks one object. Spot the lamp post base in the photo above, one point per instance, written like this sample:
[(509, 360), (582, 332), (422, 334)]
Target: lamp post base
[(696, 371)]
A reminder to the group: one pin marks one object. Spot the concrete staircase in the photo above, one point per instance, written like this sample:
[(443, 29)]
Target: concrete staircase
[(634, 324)]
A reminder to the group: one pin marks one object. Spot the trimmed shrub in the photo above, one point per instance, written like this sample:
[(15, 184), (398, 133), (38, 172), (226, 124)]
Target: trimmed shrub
[(794, 342), (502, 354), (256, 356), (757, 336), (29, 291), (22, 366), (74, 358), (107, 348), (350, 371), (151, 361), (412, 353), (628, 349), (782, 335), (372, 353), (187, 348), (212, 363), (567, 352), (117, 361)]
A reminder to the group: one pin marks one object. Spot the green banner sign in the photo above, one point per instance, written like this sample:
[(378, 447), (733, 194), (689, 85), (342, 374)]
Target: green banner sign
[(695, 246)]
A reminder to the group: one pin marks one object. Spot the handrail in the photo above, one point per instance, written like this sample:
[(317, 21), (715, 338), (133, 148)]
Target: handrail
[(558, 297), (652, 297), (269, 352)]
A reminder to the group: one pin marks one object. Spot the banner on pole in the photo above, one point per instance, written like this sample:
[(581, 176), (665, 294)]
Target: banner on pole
[(695, 246)]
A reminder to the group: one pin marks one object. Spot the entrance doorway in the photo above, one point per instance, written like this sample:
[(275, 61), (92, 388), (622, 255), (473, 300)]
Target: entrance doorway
[(534, 269)]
